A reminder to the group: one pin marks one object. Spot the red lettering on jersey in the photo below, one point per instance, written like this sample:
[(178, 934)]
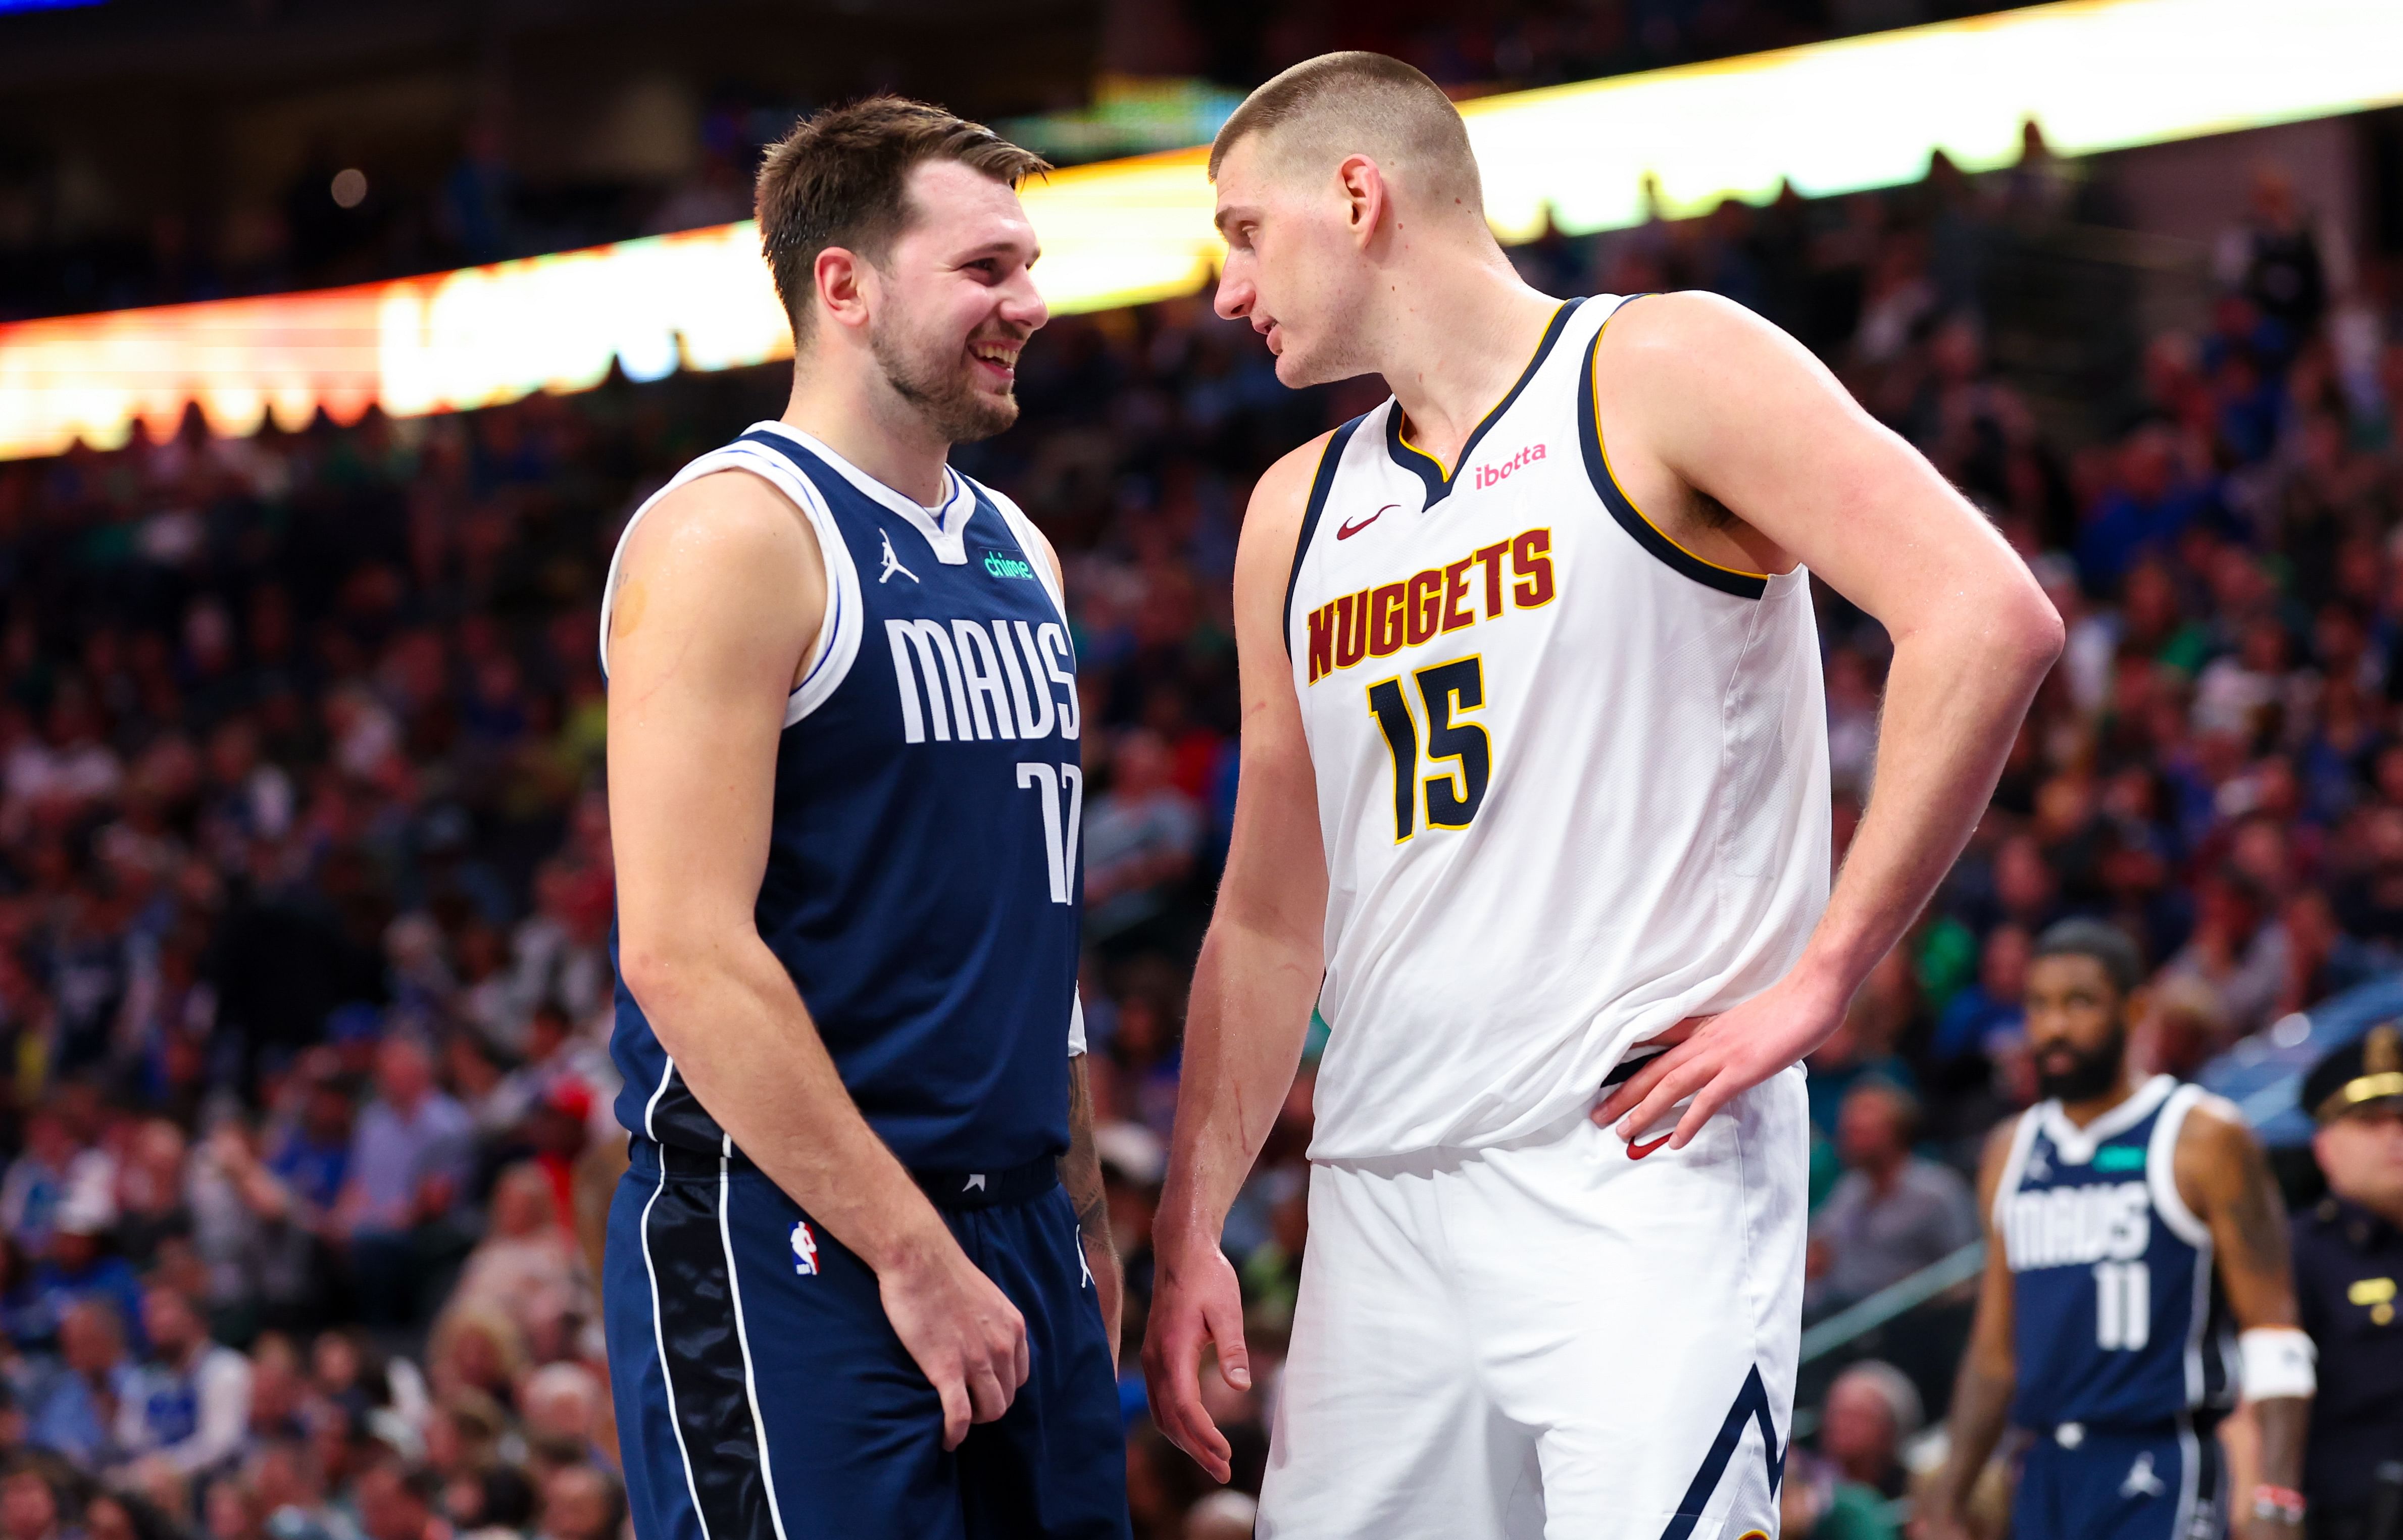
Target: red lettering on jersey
[(1426, 611), (1531, 560), (1385, 628), (1321, 642), (1455, 589), (1350, 629), (1490, 557)]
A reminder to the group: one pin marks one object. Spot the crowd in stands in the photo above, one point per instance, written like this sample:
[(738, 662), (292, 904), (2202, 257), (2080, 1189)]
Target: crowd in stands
[(305, 875), (71, 241)]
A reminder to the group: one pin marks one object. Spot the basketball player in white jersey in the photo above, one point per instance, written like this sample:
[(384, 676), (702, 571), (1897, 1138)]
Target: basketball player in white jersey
[(1535, 806)]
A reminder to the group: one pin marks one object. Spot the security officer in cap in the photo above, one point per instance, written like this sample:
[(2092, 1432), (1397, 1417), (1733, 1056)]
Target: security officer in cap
[(2348, 1269)]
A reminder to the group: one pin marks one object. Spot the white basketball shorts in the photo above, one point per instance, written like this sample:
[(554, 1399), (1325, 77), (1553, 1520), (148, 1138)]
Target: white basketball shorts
[(1551, 1337)]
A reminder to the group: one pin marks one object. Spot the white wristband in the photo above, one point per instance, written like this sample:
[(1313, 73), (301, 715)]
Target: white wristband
[(2277, 1362)]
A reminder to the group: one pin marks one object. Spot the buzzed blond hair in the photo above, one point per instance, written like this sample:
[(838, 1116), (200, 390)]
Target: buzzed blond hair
[(1338, 104)]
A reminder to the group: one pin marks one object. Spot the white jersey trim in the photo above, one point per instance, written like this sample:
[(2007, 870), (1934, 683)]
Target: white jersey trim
[(944, 526), (2161, 1175), (2076, 1147), (837, 644)]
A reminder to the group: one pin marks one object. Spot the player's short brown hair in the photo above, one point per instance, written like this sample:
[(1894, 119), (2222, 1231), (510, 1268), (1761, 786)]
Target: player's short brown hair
[(841, 179), (1368, 103)]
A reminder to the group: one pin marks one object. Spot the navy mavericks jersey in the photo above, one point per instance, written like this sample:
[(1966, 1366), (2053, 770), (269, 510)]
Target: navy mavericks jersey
[(2116, 1305), (923, 886)]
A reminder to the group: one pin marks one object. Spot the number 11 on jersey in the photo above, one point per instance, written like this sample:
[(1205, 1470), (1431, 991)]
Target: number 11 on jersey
[(1451, 798)]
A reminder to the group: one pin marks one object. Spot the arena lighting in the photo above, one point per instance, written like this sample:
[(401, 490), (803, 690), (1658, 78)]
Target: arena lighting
[(1831, 117)]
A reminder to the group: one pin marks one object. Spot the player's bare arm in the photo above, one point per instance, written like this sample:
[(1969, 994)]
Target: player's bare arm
[(723, 592), (1712, 409), (1253, 986), (2226, 1181), (1981, 1392), (1080, 1174)]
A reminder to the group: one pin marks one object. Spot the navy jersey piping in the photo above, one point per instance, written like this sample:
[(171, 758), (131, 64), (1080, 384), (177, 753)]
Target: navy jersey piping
[(1742, 585), (1320, 486), (1427, 467)]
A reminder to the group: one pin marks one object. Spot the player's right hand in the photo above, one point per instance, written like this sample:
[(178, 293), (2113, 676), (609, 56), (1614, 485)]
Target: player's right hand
[(963, 1331), (1195, 1299)]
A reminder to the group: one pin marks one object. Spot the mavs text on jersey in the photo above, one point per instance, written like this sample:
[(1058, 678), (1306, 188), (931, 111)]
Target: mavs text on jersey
[(922, 888), (2124, 1345)]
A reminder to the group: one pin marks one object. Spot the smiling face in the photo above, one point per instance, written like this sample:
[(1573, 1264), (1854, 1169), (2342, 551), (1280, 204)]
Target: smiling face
[(952, 301), (1294, 266)]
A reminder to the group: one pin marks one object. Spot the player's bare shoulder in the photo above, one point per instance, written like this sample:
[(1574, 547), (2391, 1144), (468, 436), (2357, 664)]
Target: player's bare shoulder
[(2217, 1153), (1273, 520), (727, 546), (1272, 529)]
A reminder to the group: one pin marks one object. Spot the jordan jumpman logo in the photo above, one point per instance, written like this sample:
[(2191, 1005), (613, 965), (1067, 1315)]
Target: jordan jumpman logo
[(892, 562)]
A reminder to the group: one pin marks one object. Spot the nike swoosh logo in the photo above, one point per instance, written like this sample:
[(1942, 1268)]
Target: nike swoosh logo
[(1348, 529), (1637, 1152)]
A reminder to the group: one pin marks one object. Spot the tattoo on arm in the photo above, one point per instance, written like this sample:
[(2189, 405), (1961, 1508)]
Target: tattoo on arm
[(2249, 1223), (1080, 1173), (2260, 1217), (1080, 1169)]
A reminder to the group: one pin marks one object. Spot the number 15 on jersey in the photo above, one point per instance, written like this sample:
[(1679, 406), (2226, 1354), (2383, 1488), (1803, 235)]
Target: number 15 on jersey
[(1446, 692)]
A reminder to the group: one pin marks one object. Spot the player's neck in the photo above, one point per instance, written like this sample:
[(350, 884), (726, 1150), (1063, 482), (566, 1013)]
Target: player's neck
[(1457, 339), (2083, 1113), (884, 438)]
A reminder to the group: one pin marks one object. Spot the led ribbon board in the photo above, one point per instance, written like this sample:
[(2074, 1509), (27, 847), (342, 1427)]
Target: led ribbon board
[(1831, 117)]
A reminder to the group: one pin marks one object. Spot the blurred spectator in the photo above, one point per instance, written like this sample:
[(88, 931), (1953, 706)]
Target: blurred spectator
[(527, 1266), (79, 1266), (1141, 835), (397, 1501), (581, 1502), (1893, 1213), (187, 1409), (29, 1503), (73, 1404), (49, 1167), (1871, 1410), (409, 1168)]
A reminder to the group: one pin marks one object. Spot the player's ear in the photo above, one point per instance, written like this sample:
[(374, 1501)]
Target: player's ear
[(843, 279), (1366, 197)]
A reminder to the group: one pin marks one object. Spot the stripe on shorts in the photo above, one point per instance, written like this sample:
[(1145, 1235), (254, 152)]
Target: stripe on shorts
[(702, 1357), (1751, 1404)]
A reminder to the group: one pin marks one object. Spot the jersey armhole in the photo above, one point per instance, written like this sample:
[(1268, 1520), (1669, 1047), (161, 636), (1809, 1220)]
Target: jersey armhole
[(1321, 484), (1623, 511), (836, 642), (2160, 1168)]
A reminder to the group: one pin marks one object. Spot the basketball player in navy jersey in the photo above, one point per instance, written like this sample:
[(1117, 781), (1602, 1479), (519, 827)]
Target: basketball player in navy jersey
[(846, 1292), (2136, 1280)]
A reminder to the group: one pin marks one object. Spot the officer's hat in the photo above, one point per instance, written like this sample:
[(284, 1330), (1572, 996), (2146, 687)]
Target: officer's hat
[(2368, 1070)]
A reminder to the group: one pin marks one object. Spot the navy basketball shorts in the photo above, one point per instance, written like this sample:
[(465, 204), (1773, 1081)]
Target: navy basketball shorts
[(2080, 1483), (761, 1394)]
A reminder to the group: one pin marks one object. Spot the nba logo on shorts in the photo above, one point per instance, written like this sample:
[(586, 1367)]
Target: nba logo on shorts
[(805, 1249)]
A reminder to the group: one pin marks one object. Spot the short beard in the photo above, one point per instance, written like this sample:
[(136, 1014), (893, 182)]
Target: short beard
[(944, 395), (2093, 1074)]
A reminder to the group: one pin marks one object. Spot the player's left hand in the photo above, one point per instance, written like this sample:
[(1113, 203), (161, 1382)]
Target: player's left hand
[(1717, 1059)]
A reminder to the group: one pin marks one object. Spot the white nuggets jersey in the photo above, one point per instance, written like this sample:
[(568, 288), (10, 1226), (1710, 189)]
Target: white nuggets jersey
[(1572, 778)]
